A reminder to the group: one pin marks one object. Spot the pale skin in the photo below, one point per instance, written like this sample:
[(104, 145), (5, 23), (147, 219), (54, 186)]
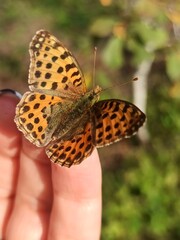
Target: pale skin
[(38, 199)]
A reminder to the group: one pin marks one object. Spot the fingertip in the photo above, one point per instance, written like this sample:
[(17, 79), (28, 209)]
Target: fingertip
[(89, 163), (8, 102), (78, 177), (77, 195)]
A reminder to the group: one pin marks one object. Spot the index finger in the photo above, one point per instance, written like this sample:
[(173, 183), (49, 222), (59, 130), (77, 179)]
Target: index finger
[(76, 211)]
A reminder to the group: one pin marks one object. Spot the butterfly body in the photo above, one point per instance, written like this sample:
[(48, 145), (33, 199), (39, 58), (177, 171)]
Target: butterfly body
[(76, 111), (58, 112)]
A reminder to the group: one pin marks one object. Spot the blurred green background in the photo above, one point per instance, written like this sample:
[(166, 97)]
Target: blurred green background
[(141, 199)]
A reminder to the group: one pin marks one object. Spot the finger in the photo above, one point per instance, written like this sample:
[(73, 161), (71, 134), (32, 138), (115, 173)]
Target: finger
[(33, 196), (9, 151), (76, 212), (30, 216)]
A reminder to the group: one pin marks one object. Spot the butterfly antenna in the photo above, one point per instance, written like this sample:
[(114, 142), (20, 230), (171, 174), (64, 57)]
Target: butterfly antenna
[(121, 84), (94, 66)]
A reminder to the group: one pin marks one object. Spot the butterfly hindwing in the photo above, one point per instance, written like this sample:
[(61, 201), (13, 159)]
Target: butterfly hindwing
[(72, 151), (115, 119)]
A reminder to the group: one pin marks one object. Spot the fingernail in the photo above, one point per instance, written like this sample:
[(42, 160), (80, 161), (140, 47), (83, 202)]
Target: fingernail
[(6, 90)]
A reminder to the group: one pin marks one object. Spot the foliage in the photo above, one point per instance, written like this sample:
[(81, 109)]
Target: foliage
[(140, 195)]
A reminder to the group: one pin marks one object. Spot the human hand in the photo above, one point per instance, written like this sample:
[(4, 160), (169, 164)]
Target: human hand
[(39, 199)]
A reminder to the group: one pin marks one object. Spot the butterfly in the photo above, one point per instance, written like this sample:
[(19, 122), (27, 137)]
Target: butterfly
[(58, 112)]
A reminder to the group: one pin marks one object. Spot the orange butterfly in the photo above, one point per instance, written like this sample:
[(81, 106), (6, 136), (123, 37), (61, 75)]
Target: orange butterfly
[(59, 112)]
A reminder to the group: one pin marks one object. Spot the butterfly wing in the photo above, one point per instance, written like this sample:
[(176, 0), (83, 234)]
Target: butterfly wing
[(55, 80), (72, 151), (36, 114), (53, 69), (115, 119)]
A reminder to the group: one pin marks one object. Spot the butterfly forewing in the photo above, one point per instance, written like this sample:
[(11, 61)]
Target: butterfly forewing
[(53, 69), (33, 115), (115, 119)]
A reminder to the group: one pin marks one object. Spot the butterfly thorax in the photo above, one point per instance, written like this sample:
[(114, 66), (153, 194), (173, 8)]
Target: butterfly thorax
[(76, 114)]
